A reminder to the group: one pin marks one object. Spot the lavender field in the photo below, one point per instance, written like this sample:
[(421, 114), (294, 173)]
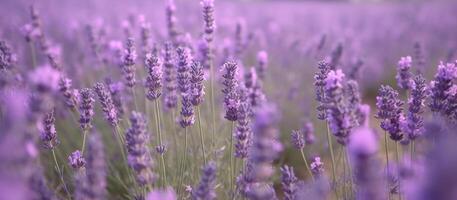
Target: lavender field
[(219, 99)]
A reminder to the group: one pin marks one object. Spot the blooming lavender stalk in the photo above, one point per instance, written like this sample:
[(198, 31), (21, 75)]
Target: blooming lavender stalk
[(128, 66), (404, 76), (419, 57), (196, 80), (49, 134), (187, 111), (265, 149), (317, 167), (115, 91), (91, 185), (153, 81), (206, 188), (308, 133), (414, 120), (183, 69), (440, 87), (139, 157), (297, 139), (262, 62), (171, 19), (230, 82), (170, 95), (7, 57), (336, 56), (76, 160), (68, 93), (145, 36), (86, 109), (243, 131), (254, 87), (389, 111), (338, 114), (107, 104), (319, 84), (288, 182), (368, 175), (208, 17)]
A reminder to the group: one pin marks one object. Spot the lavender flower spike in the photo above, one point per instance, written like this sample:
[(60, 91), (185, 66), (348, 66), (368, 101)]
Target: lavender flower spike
[(183, 69), (197, 88), (86, 108), (208, 17), (404, 75), (67, 92), (107, 103), (128, 66), (363, 147), (230, 82), (243, 131), (76, 160), (170, 10), (49, 134), (206, 188), (441, 85), (389, 111), (288, 182), (297, 139), (317, 167), (338, 114), (170, 95), (262, 62), (308, 133), (153, 81), (139, 158), (7, 58), (187, 111), (414, 120), (319, 84)]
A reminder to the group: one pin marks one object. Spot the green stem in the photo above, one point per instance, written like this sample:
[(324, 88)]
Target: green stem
[(213, 112), (33, 54), (398, 162), (231, 158), (84, 142), (202, 143), (134, 98), (351, 181), (60, 174), (386, 144), (159, 131), (329, 140), (306, 163)]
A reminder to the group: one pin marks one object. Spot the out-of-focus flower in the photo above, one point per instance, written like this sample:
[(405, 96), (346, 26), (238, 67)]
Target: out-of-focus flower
[(404, 76), (76, 160), (262, 62), (45, 78), (317, 167), (439, 87), (288, 182), (170, 94), (206, 187), (7, 58), (128, 66), (162, 194)]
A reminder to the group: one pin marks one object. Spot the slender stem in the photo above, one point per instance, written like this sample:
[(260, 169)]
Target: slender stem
[(84, 142), (398, 162), (60, 173), (32, 53), (134, 98), (329, 140), (159, 131), (211, 83), (184, 159), (306, 163), (202, 143), (386, 144), (231, 157), (351, 181), (412, 152)]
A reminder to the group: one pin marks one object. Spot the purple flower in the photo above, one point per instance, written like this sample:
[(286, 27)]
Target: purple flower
[(354, 100), (243, 132), (153, 81), (7, 58), (170, 95), (76, 160), (288, 182), (308, 133), (208, 17), (206, 187), (338, 115), (197, 88), (68, 93), (161, 149), (336, 56), (363, 147), (390, 111), (262, 62), (86, 108), (297, 139), (319, 84), (49, 133), (231, 98), (317, 167), (187, 111), (416, 102), (45, 78), (139, 158), (107, 104), (128, 66), (440, 86), (162, 194), (171, 20), (254, 87), (183, 69), (404, 75), (115, 90)]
